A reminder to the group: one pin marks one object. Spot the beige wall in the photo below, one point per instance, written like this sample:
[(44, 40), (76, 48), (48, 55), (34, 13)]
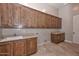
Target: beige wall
[(67, 21)]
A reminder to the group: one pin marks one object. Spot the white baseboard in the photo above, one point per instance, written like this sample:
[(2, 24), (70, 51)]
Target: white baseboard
[(68, 41), (76, 42)]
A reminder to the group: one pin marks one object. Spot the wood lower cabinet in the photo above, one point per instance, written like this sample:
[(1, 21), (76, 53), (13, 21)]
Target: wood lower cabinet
[(57, 38), (32, 47), (5, 49), (18, 47)]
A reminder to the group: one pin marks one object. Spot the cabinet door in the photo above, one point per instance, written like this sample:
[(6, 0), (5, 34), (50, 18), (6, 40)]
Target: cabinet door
[(4, 8), (23, 18), (19, 48), (41, 20), (29, 17), (16, 14), (34, 19), (6, 14), (48, 21), (26, 17), (32, 45), (10, 15), (53, 22), (5, 49), (59, 23)]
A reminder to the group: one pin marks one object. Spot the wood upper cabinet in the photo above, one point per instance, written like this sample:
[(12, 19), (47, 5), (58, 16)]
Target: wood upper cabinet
[(48, 21), (31, 17), (27, 17), (10, 14), (34, 19), (13, 15), (16, 14), (23, 17), (4, 14), (7, 15), (53, 22), (59, 22), (42, 20)]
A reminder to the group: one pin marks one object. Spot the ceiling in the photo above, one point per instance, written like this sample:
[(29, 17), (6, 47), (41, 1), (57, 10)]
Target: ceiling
[(75, 6), (57, 5)]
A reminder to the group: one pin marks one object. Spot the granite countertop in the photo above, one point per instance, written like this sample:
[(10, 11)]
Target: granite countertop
[(17, 38)]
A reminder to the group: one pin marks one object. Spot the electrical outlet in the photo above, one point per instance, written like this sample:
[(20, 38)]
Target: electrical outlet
[(37, 33), (45, 40)]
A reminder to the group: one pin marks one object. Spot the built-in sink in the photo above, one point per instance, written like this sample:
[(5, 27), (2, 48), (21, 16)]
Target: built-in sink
[(12, 38), (9, 38), (16, 37)]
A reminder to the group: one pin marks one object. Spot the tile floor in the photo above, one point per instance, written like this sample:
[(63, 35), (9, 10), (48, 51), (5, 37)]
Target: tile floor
[(61, 49)]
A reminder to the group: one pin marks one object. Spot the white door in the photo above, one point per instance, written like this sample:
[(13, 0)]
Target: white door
[(76, 29)]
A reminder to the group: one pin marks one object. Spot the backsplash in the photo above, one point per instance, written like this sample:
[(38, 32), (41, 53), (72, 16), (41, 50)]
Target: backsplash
[(42, 34)]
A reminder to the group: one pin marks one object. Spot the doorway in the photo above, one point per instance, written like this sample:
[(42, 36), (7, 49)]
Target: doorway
[(76, 29)]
